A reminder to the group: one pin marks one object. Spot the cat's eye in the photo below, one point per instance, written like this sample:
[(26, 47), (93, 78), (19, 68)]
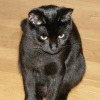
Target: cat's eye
[(43, 37), (61, 36)]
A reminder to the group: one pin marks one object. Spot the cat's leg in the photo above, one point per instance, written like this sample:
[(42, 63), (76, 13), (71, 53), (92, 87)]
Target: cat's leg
[(38, 94), (29, 84), (53, 88), (63, 93), (73, 75), (62, 97), (39, 97)]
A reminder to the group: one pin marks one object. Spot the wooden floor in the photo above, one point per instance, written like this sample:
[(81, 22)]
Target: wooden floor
[(87, 17)]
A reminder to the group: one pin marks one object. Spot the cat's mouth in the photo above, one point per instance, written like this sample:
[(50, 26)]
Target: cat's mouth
[(51, 52)]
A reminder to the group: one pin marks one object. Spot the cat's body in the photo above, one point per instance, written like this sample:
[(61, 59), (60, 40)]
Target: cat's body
[(50, 54)]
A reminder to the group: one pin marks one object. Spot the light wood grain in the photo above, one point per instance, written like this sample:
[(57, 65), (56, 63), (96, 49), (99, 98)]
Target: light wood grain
[(87, 17)]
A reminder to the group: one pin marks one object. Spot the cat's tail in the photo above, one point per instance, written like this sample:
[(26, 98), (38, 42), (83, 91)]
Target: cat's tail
[(23, 24)]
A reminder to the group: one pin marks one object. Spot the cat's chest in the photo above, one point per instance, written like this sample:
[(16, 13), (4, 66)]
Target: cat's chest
[(43, 60), (47, 64)]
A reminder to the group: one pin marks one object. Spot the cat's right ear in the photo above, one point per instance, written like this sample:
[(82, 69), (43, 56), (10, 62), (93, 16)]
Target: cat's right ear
[(66, 14), (23, 24)]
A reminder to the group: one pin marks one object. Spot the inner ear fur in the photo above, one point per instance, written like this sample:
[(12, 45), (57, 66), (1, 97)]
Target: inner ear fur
[(35, 17)]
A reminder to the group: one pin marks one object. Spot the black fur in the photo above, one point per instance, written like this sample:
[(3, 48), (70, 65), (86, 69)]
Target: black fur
[(53, 66)]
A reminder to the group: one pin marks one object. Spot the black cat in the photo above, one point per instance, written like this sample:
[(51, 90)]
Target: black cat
[(50, 53)]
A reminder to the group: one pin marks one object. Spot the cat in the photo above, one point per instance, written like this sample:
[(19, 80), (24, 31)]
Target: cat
[(50, 53)]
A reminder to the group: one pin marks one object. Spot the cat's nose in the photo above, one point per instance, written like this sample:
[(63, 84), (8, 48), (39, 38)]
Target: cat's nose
[(53, 46)]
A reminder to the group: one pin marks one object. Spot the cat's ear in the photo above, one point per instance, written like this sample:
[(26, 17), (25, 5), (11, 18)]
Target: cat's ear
[(66, 14), (35, 19)]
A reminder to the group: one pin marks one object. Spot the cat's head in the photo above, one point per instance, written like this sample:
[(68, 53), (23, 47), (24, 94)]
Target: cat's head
[(50, 27)]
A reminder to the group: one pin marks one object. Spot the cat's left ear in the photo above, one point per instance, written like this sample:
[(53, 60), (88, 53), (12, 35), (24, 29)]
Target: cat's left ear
[(34, 19), (66, 14)]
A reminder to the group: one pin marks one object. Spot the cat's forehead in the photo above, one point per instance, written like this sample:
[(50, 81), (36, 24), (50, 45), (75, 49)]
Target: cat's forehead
[(49, 8), (50, 11)]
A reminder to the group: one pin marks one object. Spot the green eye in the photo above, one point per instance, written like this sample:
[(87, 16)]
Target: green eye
[(43, 37), (61, 36)]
